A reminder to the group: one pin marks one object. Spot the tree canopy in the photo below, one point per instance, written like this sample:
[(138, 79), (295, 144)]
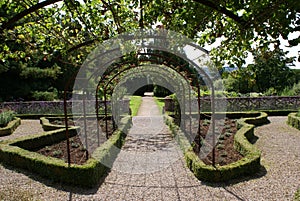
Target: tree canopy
[(47, 41)]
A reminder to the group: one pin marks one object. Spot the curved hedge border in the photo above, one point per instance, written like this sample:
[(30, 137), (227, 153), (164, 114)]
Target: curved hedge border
[(294, 120), (47, 126), (19, 153), (11, 127), (248, 165)]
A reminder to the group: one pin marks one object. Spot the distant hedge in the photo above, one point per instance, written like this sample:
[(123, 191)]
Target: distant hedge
[(11, 127), (294, 120)]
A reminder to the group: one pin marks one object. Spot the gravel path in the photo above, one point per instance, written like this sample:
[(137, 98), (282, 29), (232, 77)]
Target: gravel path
[(151, 167), (27, 127)]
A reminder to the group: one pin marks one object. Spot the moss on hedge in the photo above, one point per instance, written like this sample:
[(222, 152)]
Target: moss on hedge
[(248, 165), (18, 154), (294, 120), (11, 127)]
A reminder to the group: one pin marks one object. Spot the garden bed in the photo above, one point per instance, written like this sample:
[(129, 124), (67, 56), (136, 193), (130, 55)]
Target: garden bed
[(79, 154), (21, 153), (247, 165), (225, 153)]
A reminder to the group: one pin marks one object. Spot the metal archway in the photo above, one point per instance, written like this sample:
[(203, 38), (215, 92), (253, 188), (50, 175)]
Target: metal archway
[(113, 50)]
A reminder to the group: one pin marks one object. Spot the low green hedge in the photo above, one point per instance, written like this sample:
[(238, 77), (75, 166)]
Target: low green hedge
[(278, 112), (11, 127), (17, 153), (248, 165), (47, 126), (35, 142), (294, 120), (261, 118), (232, 115), (297, 195), (38, 116)]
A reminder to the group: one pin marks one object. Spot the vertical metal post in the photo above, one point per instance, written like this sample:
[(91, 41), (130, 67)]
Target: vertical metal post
[(199, 115), (97, 115), (67, 128), (85, 125), (183, 109), (190, 112), (213, 125), (105, 111), (116, 113)]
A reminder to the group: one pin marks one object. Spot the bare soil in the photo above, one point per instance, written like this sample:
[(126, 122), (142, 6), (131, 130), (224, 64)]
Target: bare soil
[(77, 151), (225, 152), (224, 149), (79, 155)]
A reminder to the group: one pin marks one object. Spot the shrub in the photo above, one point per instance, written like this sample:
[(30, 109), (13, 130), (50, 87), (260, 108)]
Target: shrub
[(291, 91), (6, 116), (271, 92), (44, 95)]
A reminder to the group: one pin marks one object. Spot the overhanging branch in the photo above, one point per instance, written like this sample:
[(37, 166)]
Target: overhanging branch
[(11, 22), (222, 10)]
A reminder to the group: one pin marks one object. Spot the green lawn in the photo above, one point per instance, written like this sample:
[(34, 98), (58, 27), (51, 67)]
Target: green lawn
[(135, 103), (160, 103)]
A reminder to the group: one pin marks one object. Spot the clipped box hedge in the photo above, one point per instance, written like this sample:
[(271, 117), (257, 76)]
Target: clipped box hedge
[(294, 120), (18, 154), (248, 165), (11, 127), (47, 126)]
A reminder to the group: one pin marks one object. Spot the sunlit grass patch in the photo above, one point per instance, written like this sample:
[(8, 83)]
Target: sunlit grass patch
[(135, 103)]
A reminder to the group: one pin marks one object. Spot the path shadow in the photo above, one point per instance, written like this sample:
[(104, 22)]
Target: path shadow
[(254, 139), (226, 185), (262, 172), (58, 185)]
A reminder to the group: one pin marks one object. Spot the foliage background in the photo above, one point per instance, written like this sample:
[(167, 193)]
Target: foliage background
[(45, 42)]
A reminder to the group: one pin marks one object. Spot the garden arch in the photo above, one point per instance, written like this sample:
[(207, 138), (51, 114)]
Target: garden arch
[(100, 61)]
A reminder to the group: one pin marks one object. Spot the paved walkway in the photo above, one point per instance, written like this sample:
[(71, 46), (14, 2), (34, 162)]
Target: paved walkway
[(151, 167)]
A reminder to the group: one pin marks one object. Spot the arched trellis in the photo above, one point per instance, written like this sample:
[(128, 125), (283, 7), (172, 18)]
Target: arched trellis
[(173, 67), (155, 74), (106, 84), (113, 50)]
